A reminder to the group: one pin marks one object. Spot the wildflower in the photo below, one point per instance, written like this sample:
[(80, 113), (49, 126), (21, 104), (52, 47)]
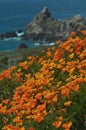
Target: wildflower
[(67, 125), (63, 110), (53, 48), (75, 88), (68, 103), (83, 32), (49, 95), (58, 54), (17, 120), (73, 33), (57, 124), (5, 101), (65, 91), (72, 70), (49, 54), (60, 118), (3, 110), (55, 99), (38, 118), (31, 128), (38, 96), (71, 56), (22, 128)]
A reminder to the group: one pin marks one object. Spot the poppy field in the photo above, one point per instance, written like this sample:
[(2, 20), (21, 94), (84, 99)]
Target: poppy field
[(46, 92)]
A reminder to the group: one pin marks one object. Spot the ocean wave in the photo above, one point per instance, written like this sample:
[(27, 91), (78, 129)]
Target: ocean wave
[(36, 44), (19, 34), (13, 38), (44, 44), (49, 44)]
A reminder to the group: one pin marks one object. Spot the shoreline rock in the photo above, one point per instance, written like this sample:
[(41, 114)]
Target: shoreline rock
[(13, 34), (22, 46), (8, 35)]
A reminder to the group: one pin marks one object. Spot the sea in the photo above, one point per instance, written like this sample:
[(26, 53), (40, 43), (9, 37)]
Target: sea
[(15, 14)]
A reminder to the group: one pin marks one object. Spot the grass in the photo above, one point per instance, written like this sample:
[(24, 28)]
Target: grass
[(10, 58)]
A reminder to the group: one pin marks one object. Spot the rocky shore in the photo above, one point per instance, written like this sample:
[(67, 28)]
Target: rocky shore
[(45, 27), (12, 34)]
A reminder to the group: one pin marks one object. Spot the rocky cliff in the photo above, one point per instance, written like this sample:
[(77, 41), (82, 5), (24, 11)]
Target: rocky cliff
[(43, 26)]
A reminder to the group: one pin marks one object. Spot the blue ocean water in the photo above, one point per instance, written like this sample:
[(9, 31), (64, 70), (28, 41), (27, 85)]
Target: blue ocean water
[(15, 14)]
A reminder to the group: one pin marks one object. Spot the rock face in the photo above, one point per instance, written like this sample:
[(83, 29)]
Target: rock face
[(43, 26)]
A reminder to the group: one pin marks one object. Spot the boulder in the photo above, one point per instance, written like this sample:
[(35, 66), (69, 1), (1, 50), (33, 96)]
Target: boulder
[(43, 26), (22, 46)]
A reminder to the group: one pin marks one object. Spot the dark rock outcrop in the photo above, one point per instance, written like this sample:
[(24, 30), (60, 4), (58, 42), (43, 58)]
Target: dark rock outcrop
[(43, 26), (8, 35), (13, 34)]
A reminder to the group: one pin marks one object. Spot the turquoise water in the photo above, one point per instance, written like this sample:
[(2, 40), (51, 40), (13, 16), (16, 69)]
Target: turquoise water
[(15, 14)]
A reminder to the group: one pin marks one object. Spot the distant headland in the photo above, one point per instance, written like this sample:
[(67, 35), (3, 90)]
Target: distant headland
[(45, 27)]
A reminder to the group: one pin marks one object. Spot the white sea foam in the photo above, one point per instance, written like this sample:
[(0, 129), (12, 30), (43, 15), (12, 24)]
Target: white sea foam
[(19, 34), (37, 44), (16, 38), (13, 38), (52, 43), (49, 44), (44, 44)]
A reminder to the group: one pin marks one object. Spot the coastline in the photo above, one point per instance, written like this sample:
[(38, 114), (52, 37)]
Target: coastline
[(43, 30)]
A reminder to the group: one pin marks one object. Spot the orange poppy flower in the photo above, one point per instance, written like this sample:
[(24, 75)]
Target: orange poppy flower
[(31, 128), (38, 96), (38, 118), (83, 32), (5, 101), (67, 125), (57, 124), (71, 56), (60, 118), (65, 92), (55, 99), (68, 103), (75, 88), (73, 33), (49, 54)]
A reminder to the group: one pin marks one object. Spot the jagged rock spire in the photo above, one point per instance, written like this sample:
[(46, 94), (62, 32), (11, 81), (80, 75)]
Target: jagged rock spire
[(43, 15)]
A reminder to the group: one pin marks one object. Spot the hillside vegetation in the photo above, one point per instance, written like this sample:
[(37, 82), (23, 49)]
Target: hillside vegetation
[(46, 92), (13, 57)]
